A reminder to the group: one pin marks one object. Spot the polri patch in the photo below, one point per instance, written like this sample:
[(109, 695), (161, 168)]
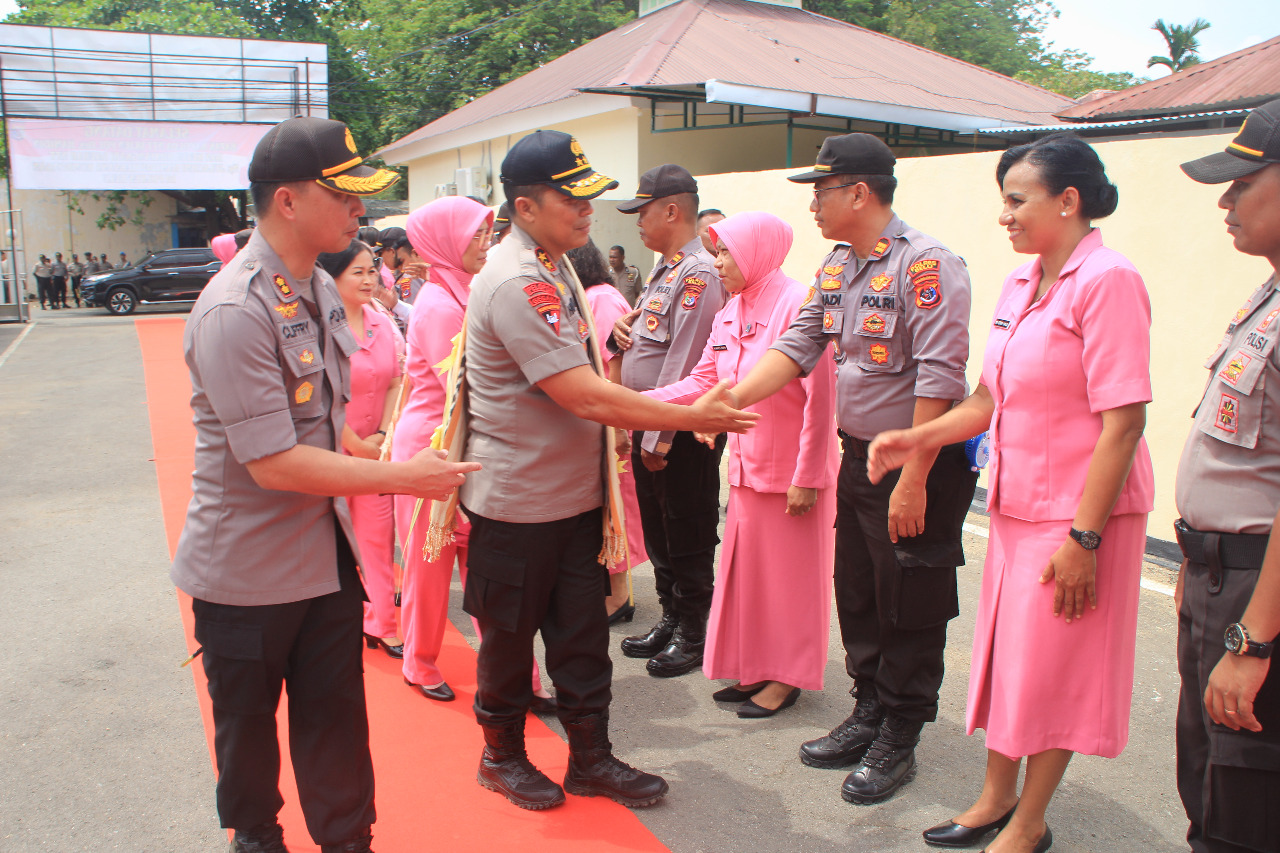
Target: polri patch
[(692, 290), (1228, 414), (303, 394), (928, 296), (543, 299), (879, 353)]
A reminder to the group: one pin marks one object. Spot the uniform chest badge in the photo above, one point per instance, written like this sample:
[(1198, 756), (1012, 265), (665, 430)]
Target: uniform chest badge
[(1266, 322), (583, 331), (1228, 414), (833, 269), (654, 304), (651, 322), (882, 246), (926, 281), (832, 284), (544, 259), (307, 356), (671, 276), (1231, 373), (281, 285), (828, 320), (879, 353), (303, 394), (880, 282), (287, 310), (873, 323), (693, 287)]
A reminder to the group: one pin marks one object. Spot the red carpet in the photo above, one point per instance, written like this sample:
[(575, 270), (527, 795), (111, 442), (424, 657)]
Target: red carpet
[(424, 753)]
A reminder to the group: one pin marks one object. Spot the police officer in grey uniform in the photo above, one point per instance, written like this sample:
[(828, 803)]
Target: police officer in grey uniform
[(535, 405), (267, 552), (75, 270), (59, 286), (1228, 494), (895, 305), (43, 273), (677, 477)]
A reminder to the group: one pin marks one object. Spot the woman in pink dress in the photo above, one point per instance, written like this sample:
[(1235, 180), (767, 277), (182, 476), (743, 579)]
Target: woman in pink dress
[(1065, 383), (375, 382), (607, 304), (452, 236), (771, 611)]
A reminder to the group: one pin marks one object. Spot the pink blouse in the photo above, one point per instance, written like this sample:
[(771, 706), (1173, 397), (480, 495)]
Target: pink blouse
[(437, 317), (1052, 368), (794, 442), (607, 304), (373, 368)]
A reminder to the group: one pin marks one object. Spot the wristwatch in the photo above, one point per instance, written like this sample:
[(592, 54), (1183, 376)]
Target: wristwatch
[(1087, 538), (1238, 643)]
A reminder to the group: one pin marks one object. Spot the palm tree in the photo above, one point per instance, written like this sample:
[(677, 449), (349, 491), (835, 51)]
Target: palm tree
[(1182, 42)]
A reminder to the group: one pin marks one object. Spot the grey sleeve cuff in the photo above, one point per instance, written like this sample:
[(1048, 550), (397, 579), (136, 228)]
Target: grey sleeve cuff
[(556, 361), (801, 349), (262, 436), (940, 383)]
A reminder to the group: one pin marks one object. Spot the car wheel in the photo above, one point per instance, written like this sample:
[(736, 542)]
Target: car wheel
[(121, 301)]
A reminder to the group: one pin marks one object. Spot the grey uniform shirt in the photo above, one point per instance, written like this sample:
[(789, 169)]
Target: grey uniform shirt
[(678, 304), (59, 269), (1229, 474), (266, 375), (42, 271), (627, 280), (899, 321), (75, 270), (541, 462), (91, 268)]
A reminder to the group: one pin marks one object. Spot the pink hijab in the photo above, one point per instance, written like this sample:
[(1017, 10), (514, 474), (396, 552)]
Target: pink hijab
[(440, 233), (224, 247), (759, 243)]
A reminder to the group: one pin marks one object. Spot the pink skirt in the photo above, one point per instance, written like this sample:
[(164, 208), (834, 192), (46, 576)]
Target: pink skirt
[(771, 612), (1035, 682)]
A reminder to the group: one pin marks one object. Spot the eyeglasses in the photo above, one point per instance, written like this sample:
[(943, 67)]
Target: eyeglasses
[(817, 193)]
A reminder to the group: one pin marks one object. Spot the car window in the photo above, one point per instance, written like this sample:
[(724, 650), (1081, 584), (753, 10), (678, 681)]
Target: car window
[(173, 261)]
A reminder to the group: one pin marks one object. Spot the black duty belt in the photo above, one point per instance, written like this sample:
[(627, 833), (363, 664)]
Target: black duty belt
[(856, 446), (1221, 550)]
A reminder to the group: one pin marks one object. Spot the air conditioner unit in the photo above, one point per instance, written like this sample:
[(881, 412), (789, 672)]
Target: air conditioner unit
[(472, 182), (443, 190)]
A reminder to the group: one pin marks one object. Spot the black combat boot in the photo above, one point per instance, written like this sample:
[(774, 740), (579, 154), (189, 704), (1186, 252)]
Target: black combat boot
[(847, 743), (889, 764), (648, 645), (505, 768), (684, 652), (594, 771), (359, 844), (263, 838)]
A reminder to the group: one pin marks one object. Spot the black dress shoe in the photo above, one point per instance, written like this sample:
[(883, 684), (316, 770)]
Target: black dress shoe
[(683, 655), (373, 642), (751, 711), (1043, 845), (848, 742), (952, 834), (625, 613), (734, 694), (889, 764), (648, 645), (264, 838), (441, 692)]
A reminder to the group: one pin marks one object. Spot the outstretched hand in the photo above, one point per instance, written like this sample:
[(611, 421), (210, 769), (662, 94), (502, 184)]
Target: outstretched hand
[(714, 412), (890, 451)]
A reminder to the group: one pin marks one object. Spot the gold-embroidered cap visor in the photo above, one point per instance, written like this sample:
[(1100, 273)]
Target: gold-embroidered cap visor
[(584, 183), (362, 180)]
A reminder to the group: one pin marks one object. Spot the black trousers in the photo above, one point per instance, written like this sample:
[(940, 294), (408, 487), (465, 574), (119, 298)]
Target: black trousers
[(44, 287), (680, 515), (526, 578), (75, 288), (1229, 781), (314, 649), (59, 289), (894, 602)]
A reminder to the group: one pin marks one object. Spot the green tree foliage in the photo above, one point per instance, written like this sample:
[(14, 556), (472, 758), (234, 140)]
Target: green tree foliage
[(1070, 73), (1183, 45)]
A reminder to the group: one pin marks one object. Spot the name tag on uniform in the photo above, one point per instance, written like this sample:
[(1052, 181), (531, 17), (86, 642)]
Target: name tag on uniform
[(1001, 323), (719, 347)]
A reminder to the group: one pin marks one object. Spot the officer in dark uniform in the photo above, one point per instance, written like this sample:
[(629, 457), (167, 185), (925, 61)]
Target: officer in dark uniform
[(677, 477), (536, 398), (895, 305), (266, 554), (1228, 494), (501, 223)]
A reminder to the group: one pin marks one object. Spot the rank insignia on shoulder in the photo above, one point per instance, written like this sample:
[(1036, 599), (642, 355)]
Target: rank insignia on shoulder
[(654, 304), (882, 246), (832, 284), (287, 310), (281, 285), (873, 323), (651, 322), (1228, 414), (833, 270), (879, 353), (1231, 373), (544, 259), (880, 282), (307, 356), (677, 258), (303, 394), (1240, 315)]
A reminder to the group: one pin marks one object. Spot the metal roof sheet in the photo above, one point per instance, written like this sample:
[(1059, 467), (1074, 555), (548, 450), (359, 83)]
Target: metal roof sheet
[(1246, 78), (762, 45), (1156, 120)]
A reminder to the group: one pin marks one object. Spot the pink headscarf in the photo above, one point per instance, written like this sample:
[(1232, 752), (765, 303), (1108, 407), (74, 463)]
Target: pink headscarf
[(759, 243), (440, 232), (224, 247)]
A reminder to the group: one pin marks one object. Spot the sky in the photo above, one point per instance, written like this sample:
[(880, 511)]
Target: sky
[(1118, 34)]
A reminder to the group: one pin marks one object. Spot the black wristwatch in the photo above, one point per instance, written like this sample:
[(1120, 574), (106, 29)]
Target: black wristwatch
[(1087, 538), (1238, 643)]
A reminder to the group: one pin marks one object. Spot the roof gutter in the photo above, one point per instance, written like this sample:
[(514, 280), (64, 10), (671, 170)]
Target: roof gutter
[(810, 103)]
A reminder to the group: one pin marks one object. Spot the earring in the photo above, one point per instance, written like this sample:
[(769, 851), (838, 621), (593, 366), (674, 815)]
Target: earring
[(1064, 213)]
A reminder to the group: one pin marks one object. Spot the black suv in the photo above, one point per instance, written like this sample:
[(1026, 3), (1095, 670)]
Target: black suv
[(161, 278)]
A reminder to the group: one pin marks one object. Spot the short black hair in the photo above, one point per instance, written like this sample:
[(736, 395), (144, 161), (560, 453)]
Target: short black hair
[(336, 263), (1065, 160), (621, 251), (710, 211), (262, 194), (590, 264), (515, 191)]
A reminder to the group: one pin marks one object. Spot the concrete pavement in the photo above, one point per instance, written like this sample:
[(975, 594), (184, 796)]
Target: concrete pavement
[(101, 745)]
